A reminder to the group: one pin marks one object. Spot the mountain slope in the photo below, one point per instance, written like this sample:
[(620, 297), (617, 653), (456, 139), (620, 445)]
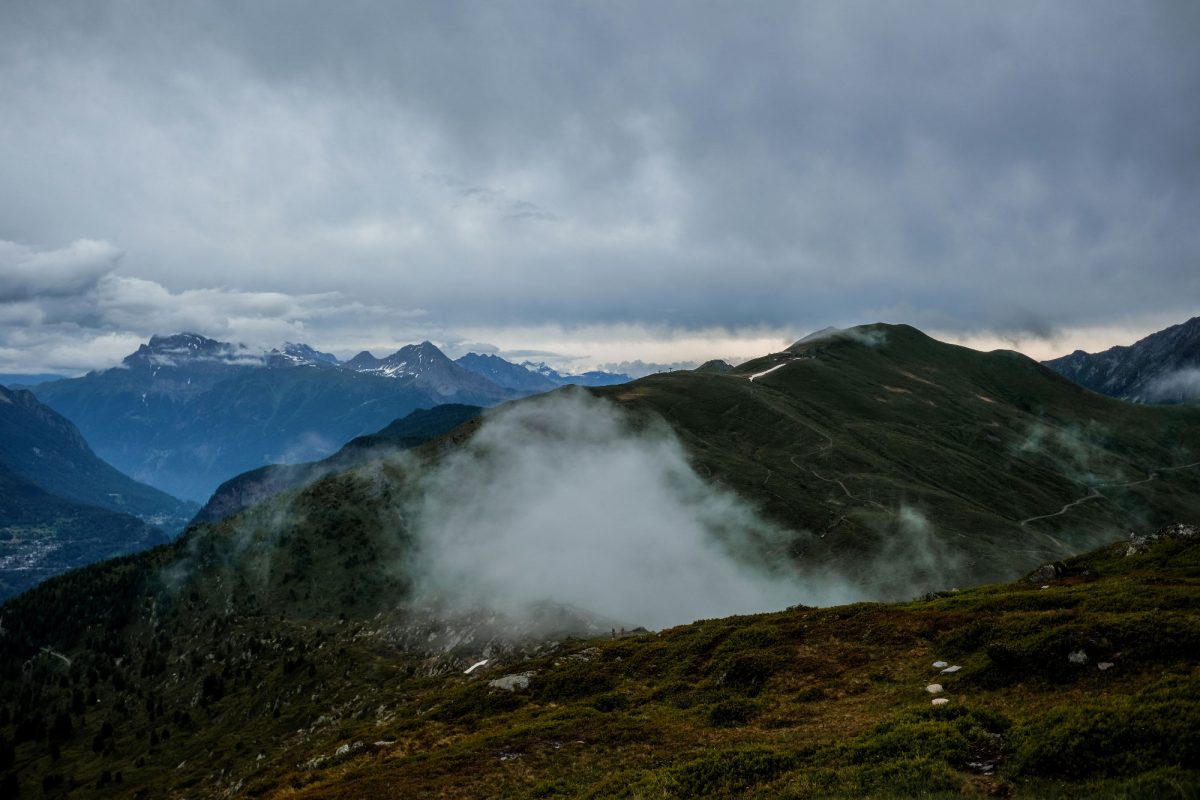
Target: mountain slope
[(592, 378), (185, 413), (506, 374), (434, 371), (884, 437), (716, 365), (42, 535), (45, 449), (24, 379), (253, 487), (1164, 367)]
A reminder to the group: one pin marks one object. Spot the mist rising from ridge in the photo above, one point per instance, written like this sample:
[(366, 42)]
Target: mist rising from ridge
[(564, 499)]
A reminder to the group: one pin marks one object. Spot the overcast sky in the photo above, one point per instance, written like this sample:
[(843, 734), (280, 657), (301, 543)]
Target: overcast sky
[(605, 181)]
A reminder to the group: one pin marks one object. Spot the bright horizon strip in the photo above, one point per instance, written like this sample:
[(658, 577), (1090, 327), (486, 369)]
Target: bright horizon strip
[(582, 348)]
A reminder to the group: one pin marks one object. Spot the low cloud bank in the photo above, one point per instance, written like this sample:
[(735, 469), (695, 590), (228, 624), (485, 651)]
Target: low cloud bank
[(1175, 387), (565, 499)]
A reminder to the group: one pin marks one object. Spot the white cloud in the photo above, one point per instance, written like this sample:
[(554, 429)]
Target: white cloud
[(68, 310), (26, 273), (561, 499), (1181, 384)]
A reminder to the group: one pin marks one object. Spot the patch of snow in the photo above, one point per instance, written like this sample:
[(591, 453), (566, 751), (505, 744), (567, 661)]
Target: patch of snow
[(1077, 657), (1105, 665), (472, 668), (940, 664), (768, 371), (949, 670), (934, 688), (940, 701)]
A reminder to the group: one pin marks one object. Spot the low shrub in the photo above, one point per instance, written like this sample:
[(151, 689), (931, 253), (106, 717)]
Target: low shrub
[(731, 713), (1120, 736), (729, 771)]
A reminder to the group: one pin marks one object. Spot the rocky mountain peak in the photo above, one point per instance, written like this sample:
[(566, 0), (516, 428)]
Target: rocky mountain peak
[(180, 348), (305, 353), (1163, 367)]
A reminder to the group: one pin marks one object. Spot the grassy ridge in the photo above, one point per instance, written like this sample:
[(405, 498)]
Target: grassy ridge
[(852, 429)]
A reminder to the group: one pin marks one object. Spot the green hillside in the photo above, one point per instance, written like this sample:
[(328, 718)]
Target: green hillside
[(252, 487), (844, 432), (1077, 681), (47, 450)]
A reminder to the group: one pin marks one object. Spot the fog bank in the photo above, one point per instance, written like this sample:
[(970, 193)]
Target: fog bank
[(566, 499)]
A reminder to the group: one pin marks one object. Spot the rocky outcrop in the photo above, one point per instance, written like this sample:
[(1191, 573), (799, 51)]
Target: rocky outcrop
[(1140, 543)]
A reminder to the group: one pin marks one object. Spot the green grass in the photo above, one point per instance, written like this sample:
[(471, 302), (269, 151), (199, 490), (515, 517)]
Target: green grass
[(974, 442), (800, 703)]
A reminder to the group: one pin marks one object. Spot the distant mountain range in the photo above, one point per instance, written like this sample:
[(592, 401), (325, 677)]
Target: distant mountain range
[(506, 374), (46, 449), (1164, 367), (60, 505), (185, 412), (21, 380), (593, 378)]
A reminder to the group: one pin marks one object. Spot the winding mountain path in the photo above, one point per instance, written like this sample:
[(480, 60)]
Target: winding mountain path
[(838, 481), (1095, 490), (1094, 495)]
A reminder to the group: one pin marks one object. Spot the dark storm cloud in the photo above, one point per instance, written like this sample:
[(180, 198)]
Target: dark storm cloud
[(1018, 168)]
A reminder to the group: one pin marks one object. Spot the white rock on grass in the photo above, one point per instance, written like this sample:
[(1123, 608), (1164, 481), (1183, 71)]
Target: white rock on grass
[(1077, 657), (511, 683), (940, 701), (934, 688), (940, 664), (1103, 665)]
